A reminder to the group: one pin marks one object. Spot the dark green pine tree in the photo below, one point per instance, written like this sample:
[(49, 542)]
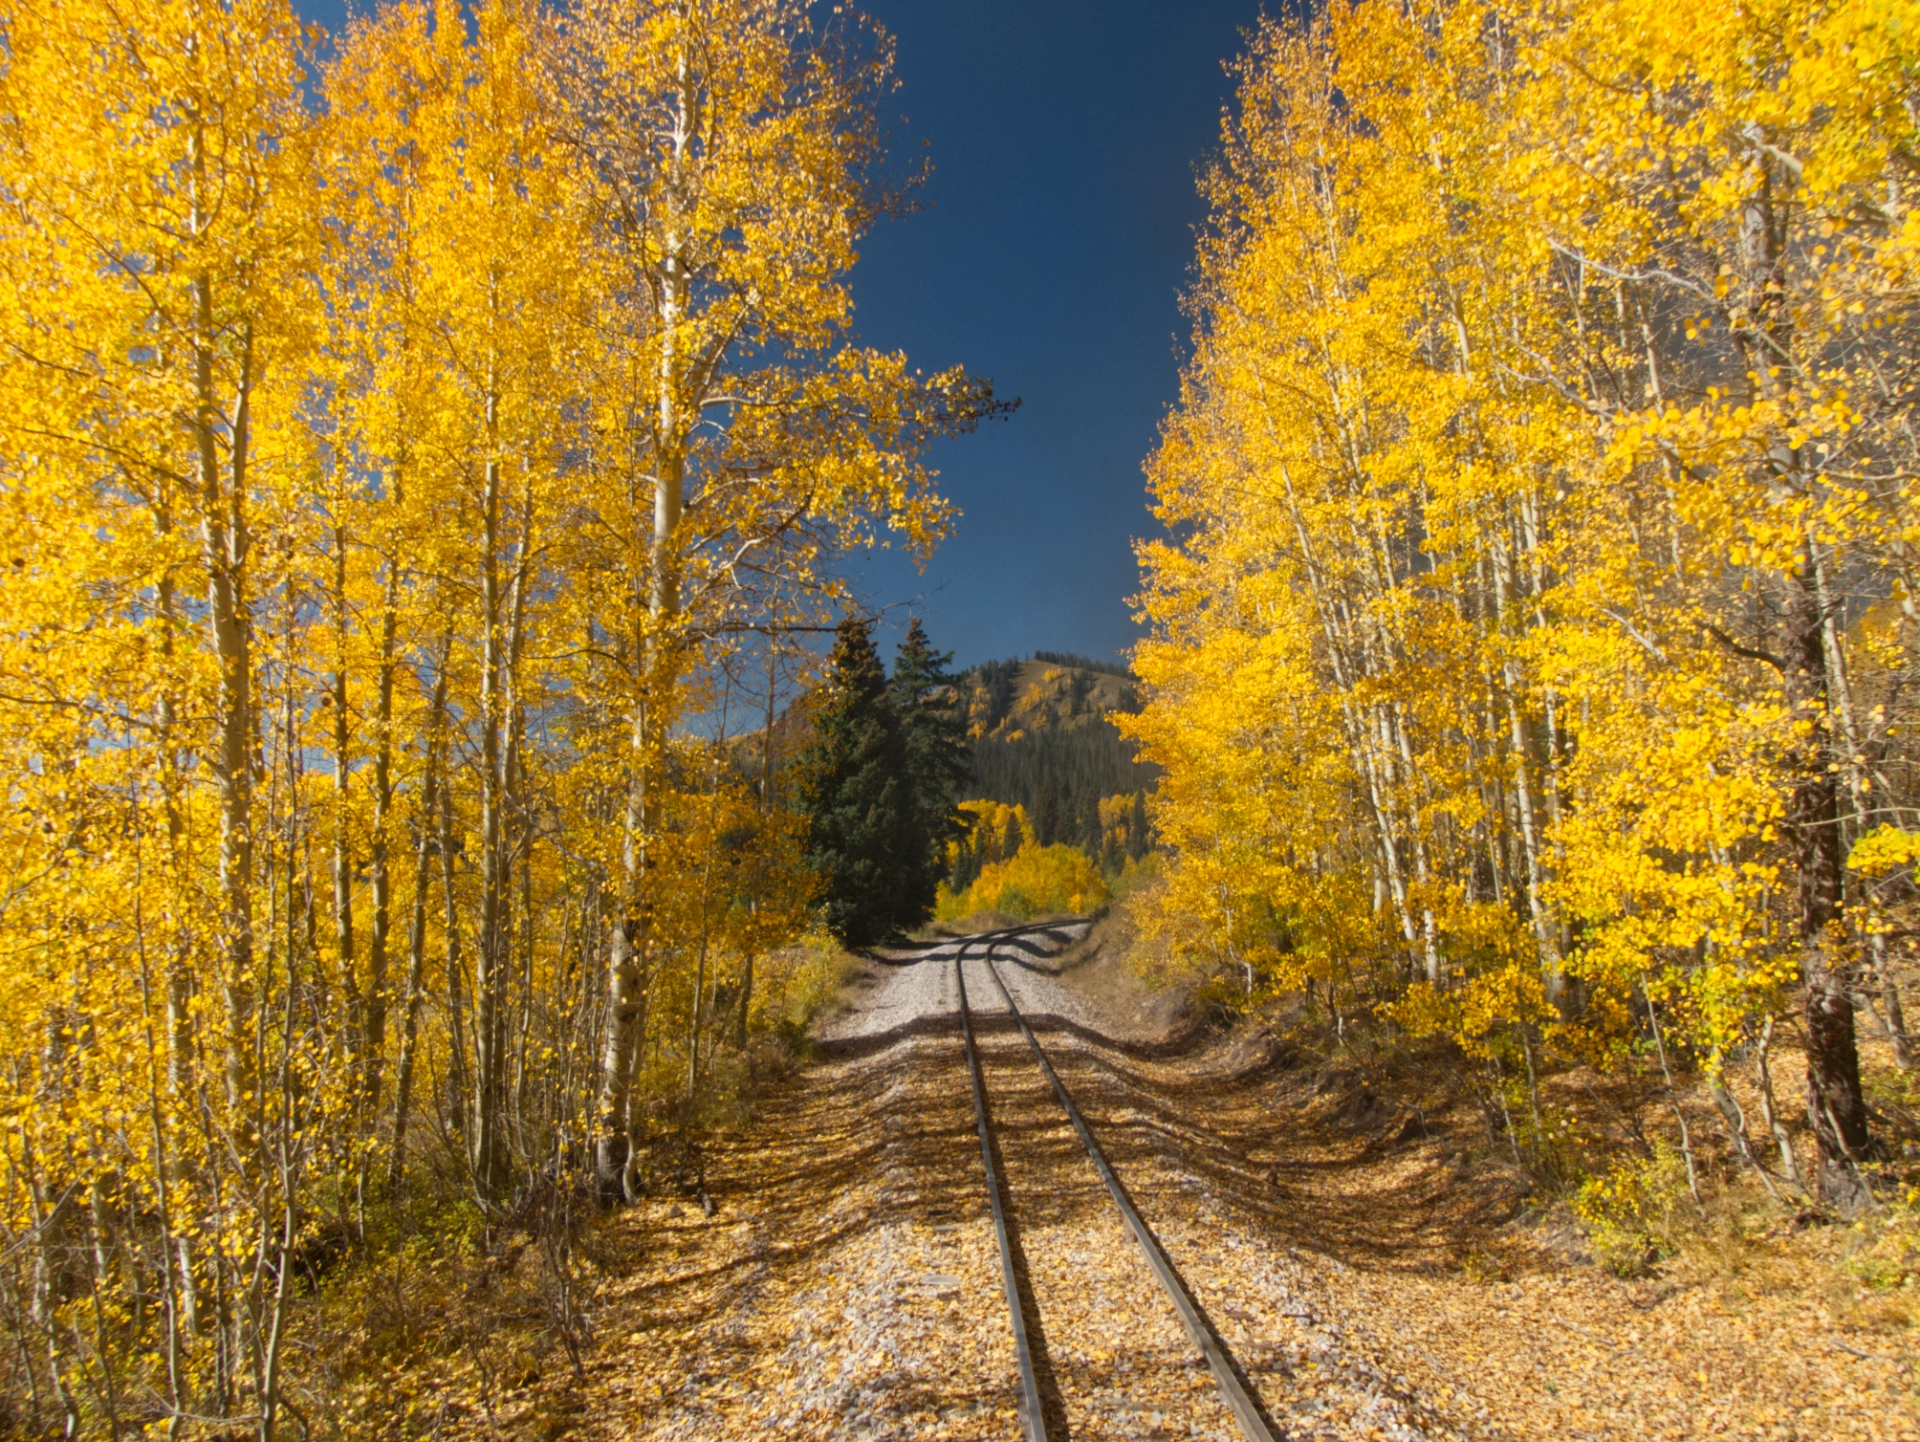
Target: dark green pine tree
[(933, 725), (1137, 844), (854, 790), (1089, 838), (1046, 814), (966, 865)]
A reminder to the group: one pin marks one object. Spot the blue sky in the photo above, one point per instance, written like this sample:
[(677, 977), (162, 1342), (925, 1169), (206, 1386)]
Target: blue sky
[(1056, 239)]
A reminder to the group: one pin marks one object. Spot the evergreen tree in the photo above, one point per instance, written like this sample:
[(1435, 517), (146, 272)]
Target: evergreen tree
[(1137, 827), (854, 790), (968, 863), (1046, 814), (1086, 826), (933, 727)]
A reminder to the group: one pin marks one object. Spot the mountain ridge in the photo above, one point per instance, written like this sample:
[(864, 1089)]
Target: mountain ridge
[(1043, 739)]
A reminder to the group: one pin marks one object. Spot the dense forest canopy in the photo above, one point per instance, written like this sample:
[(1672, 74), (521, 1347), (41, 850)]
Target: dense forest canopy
[(1534, 664), (396, 450)]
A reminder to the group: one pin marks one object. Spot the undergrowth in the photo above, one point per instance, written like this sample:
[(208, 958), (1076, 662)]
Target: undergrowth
[(434, 1311)]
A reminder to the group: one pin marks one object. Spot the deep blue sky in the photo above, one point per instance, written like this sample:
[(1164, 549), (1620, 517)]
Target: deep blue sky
[(1058, 233)]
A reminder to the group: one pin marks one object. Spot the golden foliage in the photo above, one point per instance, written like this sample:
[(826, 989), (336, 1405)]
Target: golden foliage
[(1541, 479), (1036, 881), (409, 462)]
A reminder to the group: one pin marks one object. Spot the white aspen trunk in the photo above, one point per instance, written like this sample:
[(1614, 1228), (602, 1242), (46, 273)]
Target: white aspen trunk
[(1546, 936), (625, 994), (1859, 785), (1429, 932), (225, 542), (342, 842), (706, 899), (1364, 762), (631, 941), (766, 811), (1550, 717), (380, 874), (417, 928), (489, 1160), (1383, 826), (1768, 1112), (459, 1084), (515, 830)]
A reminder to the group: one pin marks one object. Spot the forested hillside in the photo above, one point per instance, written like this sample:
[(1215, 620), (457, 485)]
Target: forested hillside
[(1043, 740)]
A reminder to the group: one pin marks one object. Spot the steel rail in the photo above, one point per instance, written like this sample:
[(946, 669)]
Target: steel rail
[(1031, 1414), (1233, 1389)]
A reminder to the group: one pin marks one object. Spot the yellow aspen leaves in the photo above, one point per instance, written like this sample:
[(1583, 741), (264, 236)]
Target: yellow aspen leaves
[(1540, 478), (417, 454)]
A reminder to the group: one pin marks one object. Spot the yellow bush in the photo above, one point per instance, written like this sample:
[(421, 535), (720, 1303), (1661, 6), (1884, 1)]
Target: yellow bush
[(1038, 880), (1630, 1212)]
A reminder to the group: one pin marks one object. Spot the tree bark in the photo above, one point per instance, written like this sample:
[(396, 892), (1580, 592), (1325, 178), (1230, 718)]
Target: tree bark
[(617, 1144), (226, 542), (458, 1087), (1835, 1107), (417, 928), (625, 992), (489, 1158), (380, 872), (342, 841)]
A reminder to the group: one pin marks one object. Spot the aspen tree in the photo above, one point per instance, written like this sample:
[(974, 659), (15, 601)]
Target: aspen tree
[(1541, 446), (328, 460), (740, 435), (154, 158)]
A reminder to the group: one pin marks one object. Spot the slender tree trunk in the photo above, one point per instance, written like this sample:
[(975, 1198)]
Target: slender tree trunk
[(766, 818), (1520, 740), (1890, 1001), (1835, 1106), (624, 989), (1853, 753), (1734, 1116), (489, 1161), (1673, 1095), (664, 609), (617, 1146), (417, 927), (526, 984), (173, 1170), (226, 542), (516, 839), (1769, 1113), (459, 1087), (380, 872), (706, 890), (342, 840)]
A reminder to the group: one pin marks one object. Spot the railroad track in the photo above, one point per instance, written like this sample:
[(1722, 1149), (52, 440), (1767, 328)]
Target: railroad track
[(1235, 1391)]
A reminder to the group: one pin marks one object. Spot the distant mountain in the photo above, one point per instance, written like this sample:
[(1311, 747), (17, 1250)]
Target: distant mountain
[(1042, 740), (1053, 691)]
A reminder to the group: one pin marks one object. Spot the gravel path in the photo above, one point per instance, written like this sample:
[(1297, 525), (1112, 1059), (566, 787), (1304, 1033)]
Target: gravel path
[(1241, 1279), (847, 1283), (891, 1322), (915, 986)]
